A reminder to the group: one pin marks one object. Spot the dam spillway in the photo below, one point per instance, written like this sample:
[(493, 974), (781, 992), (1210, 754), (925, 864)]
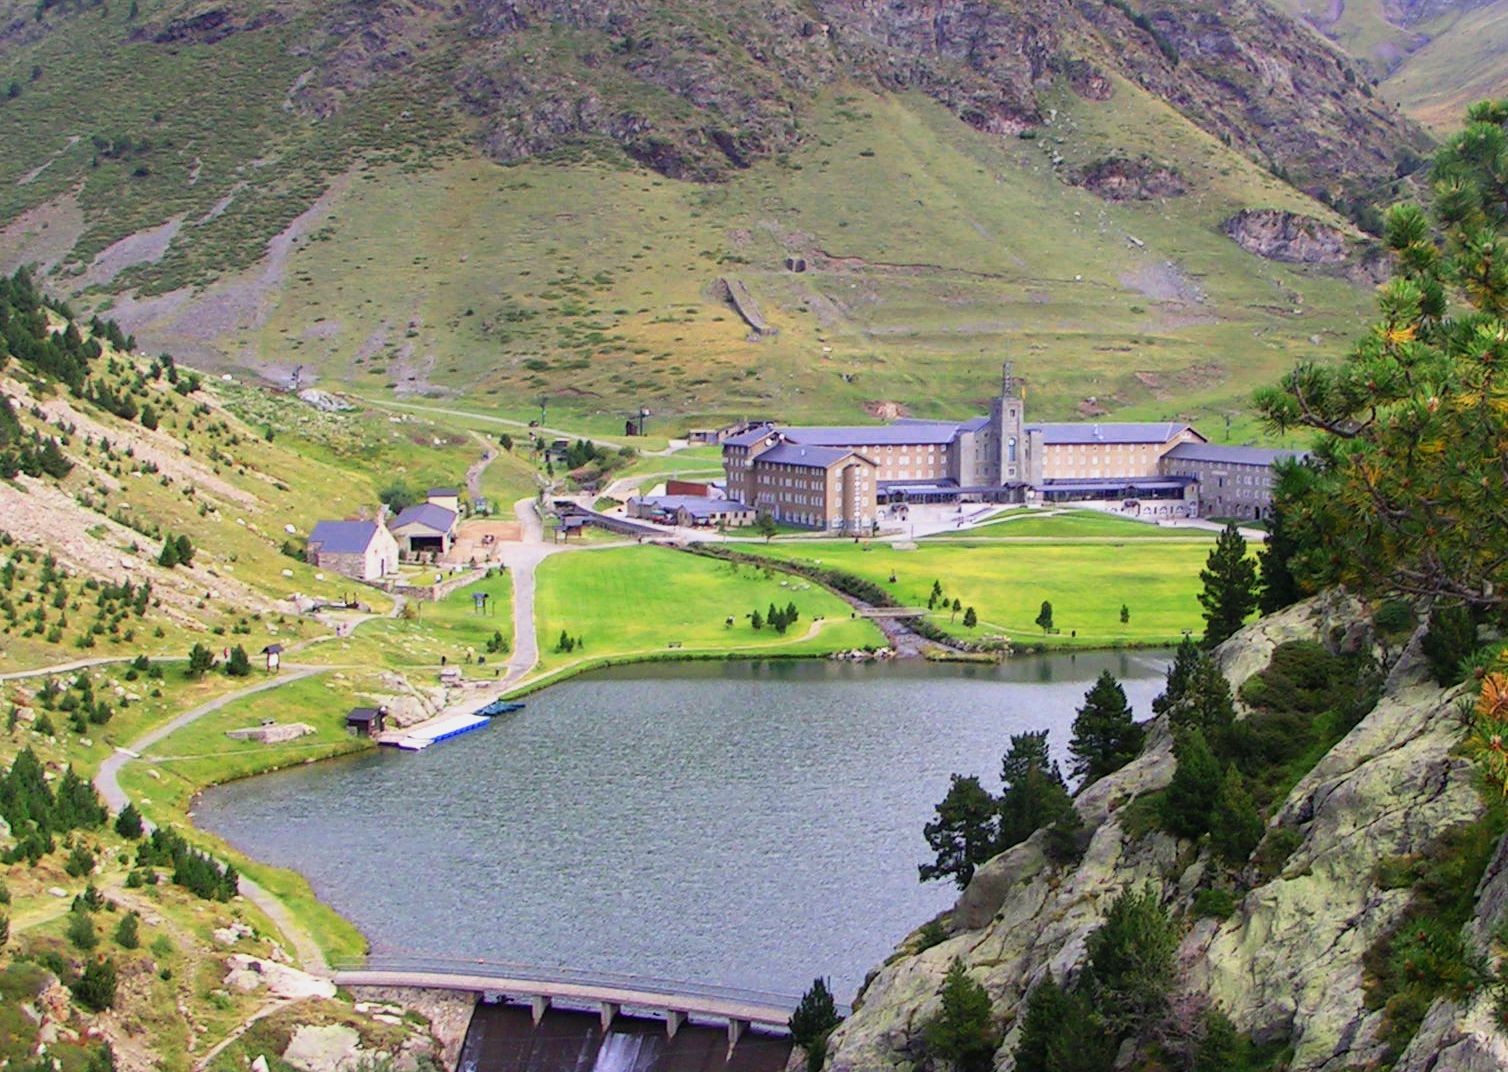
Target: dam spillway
[(505, 1038)]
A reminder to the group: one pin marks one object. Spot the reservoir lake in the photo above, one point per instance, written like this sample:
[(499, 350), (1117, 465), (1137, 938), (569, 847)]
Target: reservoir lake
[(742, 824)]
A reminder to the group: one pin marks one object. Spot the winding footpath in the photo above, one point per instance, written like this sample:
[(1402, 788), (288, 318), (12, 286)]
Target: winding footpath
[(310, 956)]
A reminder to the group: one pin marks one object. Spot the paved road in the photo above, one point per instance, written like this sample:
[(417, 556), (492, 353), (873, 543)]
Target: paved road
[(107, 781)]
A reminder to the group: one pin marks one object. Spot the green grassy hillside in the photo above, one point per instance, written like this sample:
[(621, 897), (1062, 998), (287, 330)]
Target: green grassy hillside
[(289, 187), (932, 253)]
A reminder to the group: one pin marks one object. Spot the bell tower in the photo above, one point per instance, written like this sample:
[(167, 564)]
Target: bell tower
[(1009, 418)]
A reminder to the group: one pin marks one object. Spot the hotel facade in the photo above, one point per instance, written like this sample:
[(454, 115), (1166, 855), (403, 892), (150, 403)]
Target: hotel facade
[(838, 477)]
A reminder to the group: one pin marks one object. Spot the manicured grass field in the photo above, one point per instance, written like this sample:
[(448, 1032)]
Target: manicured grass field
[(641, 600), (447, 628), (1006, 584), (1072, 524)]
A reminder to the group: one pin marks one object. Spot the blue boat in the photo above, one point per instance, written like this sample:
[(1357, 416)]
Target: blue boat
[(499, 707)]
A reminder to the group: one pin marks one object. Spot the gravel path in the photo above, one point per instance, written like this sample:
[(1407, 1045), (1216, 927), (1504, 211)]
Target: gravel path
[(107, 781)]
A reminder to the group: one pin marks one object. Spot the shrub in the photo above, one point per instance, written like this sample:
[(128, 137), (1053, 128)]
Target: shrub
[(1214, 903), (95, 989)]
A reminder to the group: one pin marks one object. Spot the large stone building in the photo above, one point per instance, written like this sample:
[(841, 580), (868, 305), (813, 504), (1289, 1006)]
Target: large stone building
[(837, 477)]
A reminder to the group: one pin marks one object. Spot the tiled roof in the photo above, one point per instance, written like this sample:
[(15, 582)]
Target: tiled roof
[(865, 435), (695, 505), (436, 517), (749, 438), (343, 537), (800, 454), (1107, 432), (1209, 452)]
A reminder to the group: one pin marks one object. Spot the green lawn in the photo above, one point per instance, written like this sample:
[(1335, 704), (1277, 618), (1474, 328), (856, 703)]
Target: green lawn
[(637, 601), (1006, 584), (1073, 524)]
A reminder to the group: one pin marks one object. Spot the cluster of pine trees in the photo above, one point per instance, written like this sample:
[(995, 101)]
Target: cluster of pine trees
[(777, 618), (31, 453), (36, 813), (195, 871)]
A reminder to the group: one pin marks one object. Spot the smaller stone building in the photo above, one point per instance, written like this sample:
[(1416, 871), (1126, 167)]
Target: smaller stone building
[(426, 528), (692, 511), (365, 550)]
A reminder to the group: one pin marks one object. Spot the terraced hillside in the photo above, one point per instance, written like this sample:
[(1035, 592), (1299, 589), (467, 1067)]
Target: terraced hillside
[(509, 203)]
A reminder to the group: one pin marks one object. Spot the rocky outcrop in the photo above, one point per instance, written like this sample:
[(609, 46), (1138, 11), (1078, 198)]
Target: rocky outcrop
[(1118, 178), (1287, 236), (1287, 964)]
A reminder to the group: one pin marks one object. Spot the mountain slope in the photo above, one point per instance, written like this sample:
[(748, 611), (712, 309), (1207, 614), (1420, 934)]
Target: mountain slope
[(282, 184)]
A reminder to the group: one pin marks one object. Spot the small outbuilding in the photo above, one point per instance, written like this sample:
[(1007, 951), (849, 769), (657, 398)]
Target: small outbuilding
[(449, 498), (426, 527), (366, 721), (274, 653)]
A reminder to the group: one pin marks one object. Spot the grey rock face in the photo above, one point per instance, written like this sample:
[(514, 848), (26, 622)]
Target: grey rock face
[(1287, 964)]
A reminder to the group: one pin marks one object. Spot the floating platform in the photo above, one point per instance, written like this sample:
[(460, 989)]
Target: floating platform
[(439, 729)]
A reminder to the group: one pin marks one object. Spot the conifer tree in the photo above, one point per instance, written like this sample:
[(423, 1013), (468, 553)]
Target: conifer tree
[(963, 1032), (1105, 736), (1235, 824), (1230, 587), (813, 1021), (1034, 794), (964, 833), (1196, 783)]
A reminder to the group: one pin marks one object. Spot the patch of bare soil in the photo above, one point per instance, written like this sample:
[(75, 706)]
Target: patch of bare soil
[(886, 411), (1200, 376), (1163, 282), (143, 247), (43, 235), (197, 329)]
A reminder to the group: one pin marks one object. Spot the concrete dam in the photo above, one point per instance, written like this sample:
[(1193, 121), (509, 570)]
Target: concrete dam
[(509, 1038)]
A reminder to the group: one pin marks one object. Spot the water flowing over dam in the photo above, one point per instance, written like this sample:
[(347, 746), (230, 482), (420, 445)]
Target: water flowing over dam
[(504, 1038)]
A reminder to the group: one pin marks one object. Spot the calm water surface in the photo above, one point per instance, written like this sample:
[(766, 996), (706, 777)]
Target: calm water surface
[(743, 824)]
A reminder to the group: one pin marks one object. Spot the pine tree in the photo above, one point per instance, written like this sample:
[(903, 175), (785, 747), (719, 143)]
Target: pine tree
[(813, 1021), (1184, 660), (964, 833), (1044, 617), (168, 557), (1048, 1011), (127, 934), (239, 663), (1230, 587), (1278, 587), (1034, 793), (95, 989), (757, 620), (200, 660), (1130, 961), (1206, 702), (1196, 783), (970, 619), (185, 549), (963, 1032), (80, 931), (1235, 824), (1105, 736)]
